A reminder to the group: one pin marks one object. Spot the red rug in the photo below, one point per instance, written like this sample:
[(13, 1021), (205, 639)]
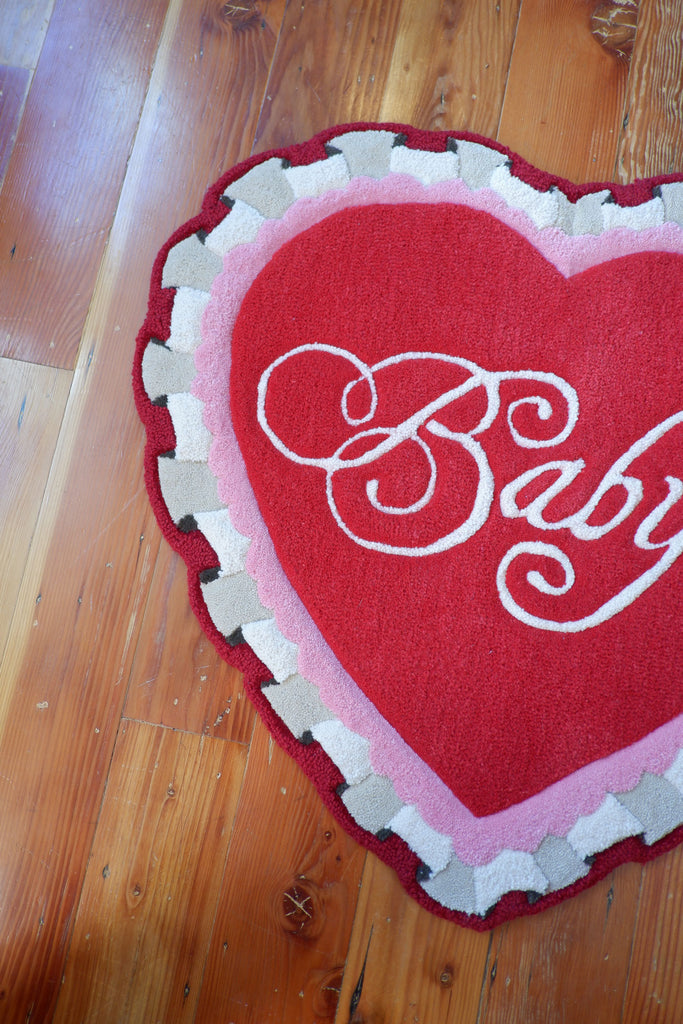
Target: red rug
[(415, 419)]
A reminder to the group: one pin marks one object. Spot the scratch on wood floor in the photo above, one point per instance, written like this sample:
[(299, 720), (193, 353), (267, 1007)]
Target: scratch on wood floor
[(358, 990), (21, 412), (610, 901)]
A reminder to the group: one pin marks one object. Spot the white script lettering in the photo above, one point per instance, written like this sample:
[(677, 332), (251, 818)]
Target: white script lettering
[(386, 438)]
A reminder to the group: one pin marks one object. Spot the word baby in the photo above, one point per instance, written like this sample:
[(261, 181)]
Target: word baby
[(379, 441)]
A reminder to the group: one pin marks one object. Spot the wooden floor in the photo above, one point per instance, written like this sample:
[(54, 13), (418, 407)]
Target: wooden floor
[(160, 858)]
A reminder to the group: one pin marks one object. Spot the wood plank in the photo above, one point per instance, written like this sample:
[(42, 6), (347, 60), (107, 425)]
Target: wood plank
[(89, 568), (652, 141), (330, 68), (184, 683), (153, 881), (450, 64), (64, 178), (287, 905), (63, 677), (23, 25), (32, 402), (655, 985), (14, 83), (411, 62), (571, 963), (419, 967), (564, 103)]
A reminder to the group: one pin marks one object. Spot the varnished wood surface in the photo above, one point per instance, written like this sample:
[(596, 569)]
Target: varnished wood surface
[(160, 858)]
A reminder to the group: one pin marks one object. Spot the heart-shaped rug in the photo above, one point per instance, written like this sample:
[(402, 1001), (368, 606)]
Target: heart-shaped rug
[(415, 422)]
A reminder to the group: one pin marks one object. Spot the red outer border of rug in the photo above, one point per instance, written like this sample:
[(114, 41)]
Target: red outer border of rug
[(198, 554)]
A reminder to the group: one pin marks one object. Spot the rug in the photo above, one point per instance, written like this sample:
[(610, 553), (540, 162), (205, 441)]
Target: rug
[(414, 421)]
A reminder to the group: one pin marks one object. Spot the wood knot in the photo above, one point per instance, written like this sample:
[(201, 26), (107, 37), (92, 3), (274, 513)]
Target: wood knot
[(300, 911), (135, 895), (326, 998), (614, 26), (446, 977), (241, 14)]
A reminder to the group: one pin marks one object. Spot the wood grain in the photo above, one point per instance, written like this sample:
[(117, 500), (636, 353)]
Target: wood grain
[(564, 103), (287, 905), (653, 138), (449, 65), (65, 175), (32, 402), (152, 884), (23, 25), (413, 62), (85, 582), (418, 967), (535, 962), (60, 703), (14, 83), (654, 991), (199, 119), (614, 25), (185, 686), (330, 68)]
